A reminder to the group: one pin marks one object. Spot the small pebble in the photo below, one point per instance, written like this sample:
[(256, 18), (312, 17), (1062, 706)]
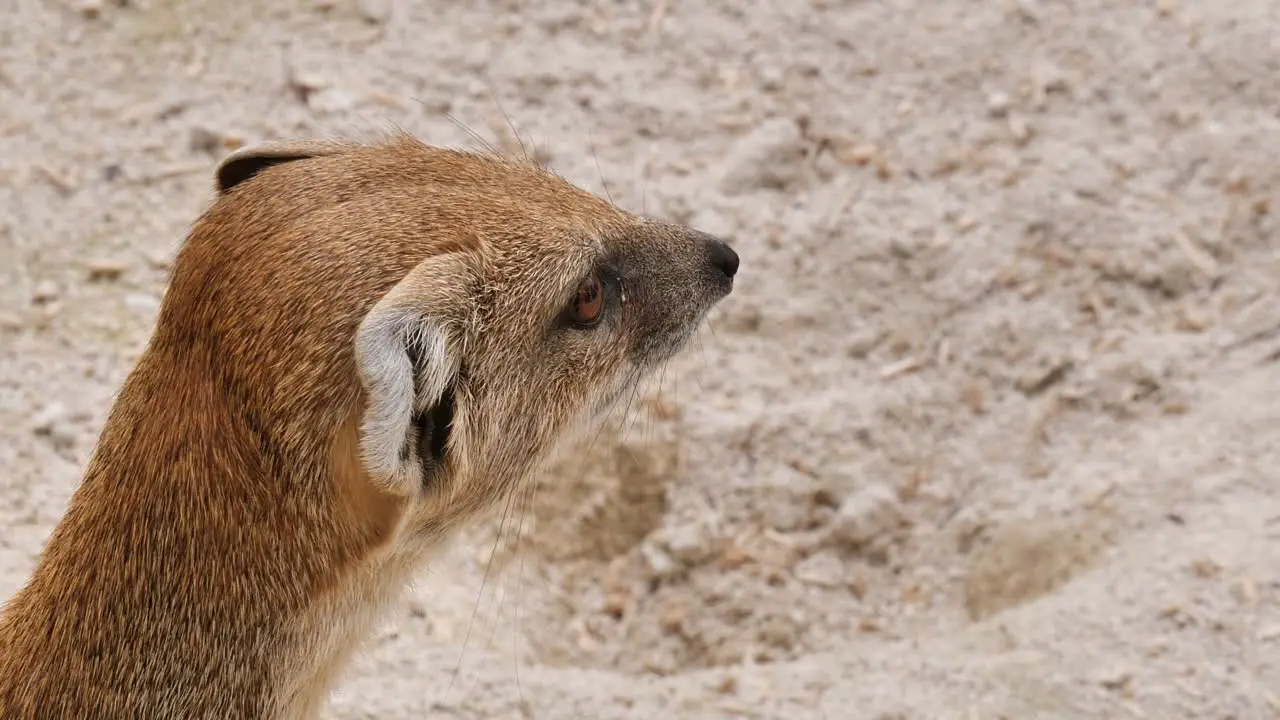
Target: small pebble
[(104, 269), (215, 142), (306, 82), (1049, 78), (998, 104), (1116, 680), (46, 291), (375, 11), (616, 602), (772, 78), (686, 544), (660, 563), (89, 8), (1028, 10), (861, 154), (47, 418), (866, 515)]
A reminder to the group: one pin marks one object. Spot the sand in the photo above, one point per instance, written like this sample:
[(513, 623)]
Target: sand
[(986, 430)]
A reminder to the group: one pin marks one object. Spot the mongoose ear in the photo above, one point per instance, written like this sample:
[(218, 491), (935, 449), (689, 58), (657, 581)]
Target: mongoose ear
[(251, 160), (408, 363)]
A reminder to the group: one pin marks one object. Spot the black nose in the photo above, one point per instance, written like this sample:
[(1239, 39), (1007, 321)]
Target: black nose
[(724, 258)]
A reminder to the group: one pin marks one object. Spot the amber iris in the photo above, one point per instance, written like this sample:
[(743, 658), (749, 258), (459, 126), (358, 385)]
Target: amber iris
[(589, 303)]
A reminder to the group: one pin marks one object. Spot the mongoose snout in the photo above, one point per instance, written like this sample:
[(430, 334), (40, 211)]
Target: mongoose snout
[(723, 258)]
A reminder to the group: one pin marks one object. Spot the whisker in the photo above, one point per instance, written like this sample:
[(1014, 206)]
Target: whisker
[(675, 390), (652, 421), (702, 360), (626, 429), (499, 595), (591, 141), (506, 509), (604, 422), (470, 132), (524, 152), (474, 135), (537, 150), (711, 327), (530, 492), (644, 189)]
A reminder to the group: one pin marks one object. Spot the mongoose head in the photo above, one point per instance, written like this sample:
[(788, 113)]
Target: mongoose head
[(361, 346), (459, 312)]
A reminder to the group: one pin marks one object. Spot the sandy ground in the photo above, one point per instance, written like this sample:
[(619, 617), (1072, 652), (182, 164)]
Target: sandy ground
[(986, 430)]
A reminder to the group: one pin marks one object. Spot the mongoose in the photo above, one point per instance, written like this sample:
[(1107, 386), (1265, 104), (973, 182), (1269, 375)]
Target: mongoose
[(361, 347)]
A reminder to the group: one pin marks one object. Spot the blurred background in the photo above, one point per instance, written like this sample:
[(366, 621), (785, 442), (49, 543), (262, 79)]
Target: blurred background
[(987, 429)]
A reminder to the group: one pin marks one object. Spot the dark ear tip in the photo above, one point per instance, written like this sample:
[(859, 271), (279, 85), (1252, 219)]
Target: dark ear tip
[(234, 172), (247, 162)]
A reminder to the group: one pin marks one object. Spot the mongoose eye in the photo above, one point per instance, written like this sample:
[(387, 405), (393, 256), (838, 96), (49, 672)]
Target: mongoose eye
[(588, 304)]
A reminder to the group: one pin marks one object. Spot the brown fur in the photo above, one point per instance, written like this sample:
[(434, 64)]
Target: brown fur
[(230, 545)]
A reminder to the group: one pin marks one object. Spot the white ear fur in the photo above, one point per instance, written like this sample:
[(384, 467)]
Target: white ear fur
[(411, 318)]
